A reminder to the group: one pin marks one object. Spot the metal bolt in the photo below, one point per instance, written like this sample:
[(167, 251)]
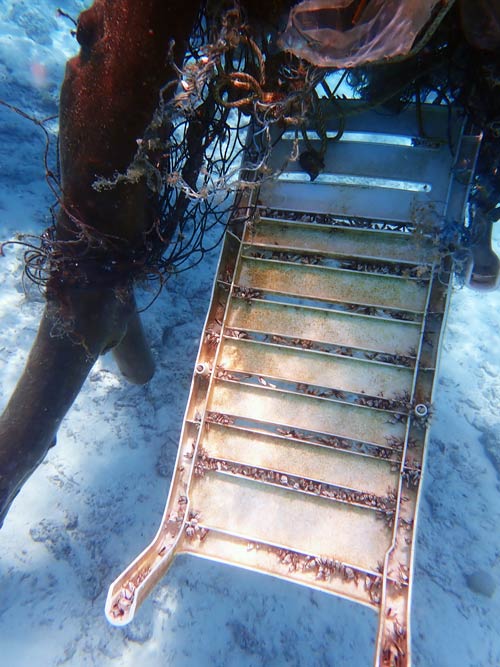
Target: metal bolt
[(421, 410)]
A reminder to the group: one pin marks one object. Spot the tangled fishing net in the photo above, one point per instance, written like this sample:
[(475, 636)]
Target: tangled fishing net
[(194, 155), (199, 159)]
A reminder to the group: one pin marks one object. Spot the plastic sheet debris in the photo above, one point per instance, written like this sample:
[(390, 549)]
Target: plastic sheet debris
[(343, 33)]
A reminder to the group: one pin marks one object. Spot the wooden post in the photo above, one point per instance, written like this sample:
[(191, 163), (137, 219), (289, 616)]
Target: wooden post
[(110, 91)]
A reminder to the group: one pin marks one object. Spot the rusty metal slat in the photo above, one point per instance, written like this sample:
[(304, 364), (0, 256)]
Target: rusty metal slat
[(389, 451), (328, 465), (346, 200), (291, 216), (311, 487), (325, 326), (291, 519), (303, 412), (331, 284), (359, 243), (317, 368)]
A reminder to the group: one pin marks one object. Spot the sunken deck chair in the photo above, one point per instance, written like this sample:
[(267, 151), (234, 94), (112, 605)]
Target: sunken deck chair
[(303, 446)]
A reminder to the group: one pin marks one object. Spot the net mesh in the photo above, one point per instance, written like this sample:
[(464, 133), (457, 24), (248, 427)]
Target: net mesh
[(198, 157)]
